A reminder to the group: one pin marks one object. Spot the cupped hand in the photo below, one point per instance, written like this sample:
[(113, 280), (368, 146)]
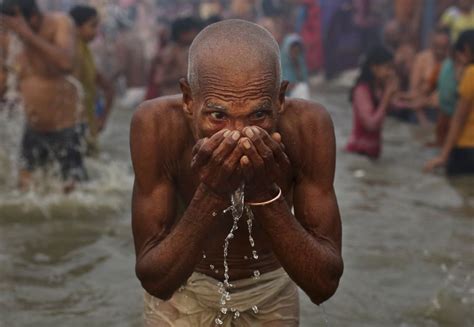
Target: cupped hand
[(17, 24), (216, 161), (265, 164)]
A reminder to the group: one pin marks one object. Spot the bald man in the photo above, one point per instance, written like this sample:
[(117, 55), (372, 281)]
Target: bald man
[(190, 152)]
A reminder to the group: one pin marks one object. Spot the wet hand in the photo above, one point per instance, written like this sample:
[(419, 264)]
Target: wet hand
[(216, 161), (434, 163), (265, 164), (17, 24)]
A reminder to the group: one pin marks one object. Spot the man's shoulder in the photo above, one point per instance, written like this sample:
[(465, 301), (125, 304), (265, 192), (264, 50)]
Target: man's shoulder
[(304, 123), (304, 113), (57, 17), (164, 112)]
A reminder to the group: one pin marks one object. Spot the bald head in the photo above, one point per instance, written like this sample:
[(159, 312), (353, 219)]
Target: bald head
[(234, 52)]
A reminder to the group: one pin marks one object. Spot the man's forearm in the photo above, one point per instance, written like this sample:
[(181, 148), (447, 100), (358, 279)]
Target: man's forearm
[(165, 266), (310, 260), (61, 58)]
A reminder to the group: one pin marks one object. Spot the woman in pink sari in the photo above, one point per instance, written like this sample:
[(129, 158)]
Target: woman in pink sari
[(371, 97)]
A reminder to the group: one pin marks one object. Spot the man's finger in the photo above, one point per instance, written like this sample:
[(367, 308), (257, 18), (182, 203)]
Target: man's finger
[(254, 157), (207, 148), (198, 145), (225, 147), (246, 166), (257, 135)]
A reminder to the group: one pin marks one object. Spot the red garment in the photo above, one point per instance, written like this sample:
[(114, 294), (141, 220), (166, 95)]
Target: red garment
[(367, 124), (312, 36)]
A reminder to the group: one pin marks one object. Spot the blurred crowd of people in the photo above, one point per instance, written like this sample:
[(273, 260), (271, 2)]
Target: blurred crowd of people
[(415, 64), (430, 85)]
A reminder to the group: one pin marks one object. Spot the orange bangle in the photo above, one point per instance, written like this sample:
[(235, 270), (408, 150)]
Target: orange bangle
[(257, 204)]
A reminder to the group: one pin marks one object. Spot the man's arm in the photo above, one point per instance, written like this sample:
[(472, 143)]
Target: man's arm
[(60, 52), (308, 244), (168, 250), (460, 117), (109, 92)]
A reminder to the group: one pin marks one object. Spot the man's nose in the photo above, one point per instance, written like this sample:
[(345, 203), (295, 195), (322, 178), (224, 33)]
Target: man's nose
[(238, 125)]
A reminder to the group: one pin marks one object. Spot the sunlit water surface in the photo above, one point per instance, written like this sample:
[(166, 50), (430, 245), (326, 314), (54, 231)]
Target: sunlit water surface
[(68, 260)]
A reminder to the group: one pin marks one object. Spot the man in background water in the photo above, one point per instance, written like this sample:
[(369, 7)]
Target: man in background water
[(50, 96)]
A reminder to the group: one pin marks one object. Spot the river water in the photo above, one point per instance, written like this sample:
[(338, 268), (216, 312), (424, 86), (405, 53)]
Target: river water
[(68, 260)]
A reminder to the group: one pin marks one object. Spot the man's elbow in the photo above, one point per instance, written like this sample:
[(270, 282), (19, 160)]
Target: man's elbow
[(326, 291), (153, 286)]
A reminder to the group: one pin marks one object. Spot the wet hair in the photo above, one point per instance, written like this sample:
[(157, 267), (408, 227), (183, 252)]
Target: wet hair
[(466, 39), (377, 55), (81, 14), (183, 25), (28, 8)]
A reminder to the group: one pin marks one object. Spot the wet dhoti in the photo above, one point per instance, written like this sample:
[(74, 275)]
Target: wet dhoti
[(270, 300)]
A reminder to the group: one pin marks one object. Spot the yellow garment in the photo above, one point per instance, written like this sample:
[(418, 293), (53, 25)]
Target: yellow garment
[(86, 73), (197, 304), (466, 92), (457, 22)]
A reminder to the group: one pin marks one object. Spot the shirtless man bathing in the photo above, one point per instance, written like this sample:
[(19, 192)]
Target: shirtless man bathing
[(232, 124), (50, 97)]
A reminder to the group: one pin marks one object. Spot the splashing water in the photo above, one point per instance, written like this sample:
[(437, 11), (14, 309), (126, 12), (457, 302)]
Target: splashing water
[(237, 209)]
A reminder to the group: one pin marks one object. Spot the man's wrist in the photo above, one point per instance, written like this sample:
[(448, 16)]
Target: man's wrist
[(266, 194), (207, 192)]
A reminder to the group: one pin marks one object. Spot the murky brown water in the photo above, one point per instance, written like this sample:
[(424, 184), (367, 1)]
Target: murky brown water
[(408, 240)]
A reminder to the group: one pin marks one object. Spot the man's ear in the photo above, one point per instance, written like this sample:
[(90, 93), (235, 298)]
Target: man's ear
[(187, 96), (282, 94)]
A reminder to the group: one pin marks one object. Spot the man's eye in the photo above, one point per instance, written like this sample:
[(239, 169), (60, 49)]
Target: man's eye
[(218, 115), (260, 114)]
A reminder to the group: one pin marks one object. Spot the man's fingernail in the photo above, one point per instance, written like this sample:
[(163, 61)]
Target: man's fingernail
[(246, 144), (255, 130), (245, 160), (235, 135), (249, 132), (226, 133)]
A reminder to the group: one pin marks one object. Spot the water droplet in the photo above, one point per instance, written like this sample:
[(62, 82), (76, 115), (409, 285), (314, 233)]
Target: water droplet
[(220, 285), (216, 271), (245, 257), (224, 310), (230, 236), (251, 241), (214, 214), (223, 302), (227, 297), (255, 309), (256, 274), (218, 321), (211, 266), (236, 314), (204, 255), (254, 254)]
